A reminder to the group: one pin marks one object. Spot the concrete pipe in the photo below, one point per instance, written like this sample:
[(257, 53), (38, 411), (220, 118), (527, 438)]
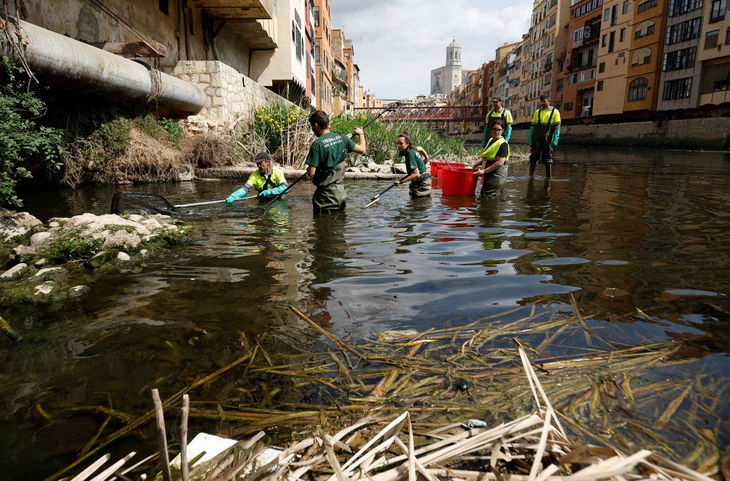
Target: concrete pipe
[(69, 64)]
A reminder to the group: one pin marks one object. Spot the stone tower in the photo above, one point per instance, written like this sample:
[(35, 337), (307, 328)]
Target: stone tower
[(447, 78)]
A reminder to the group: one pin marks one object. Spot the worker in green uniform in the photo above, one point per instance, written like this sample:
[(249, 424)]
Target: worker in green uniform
[(326, 163), (416, 173), (497, 112), (268, 180), (543, 136), (493, 163)]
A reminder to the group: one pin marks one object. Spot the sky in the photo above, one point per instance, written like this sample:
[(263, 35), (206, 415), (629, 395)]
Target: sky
[(398, 42)]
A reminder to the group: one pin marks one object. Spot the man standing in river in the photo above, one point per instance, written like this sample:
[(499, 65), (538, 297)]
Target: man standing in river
[(543, 136), (326, 163), (497, 113)]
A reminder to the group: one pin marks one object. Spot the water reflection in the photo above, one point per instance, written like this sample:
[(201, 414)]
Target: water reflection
[(641, 240)]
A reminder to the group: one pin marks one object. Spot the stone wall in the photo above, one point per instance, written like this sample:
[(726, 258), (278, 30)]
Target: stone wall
[(702, 128), (231, 97)]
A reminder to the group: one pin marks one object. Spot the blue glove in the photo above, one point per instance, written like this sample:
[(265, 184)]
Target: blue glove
[(507, 133), (556, 136), (239, 194), (529, 136), (272, 192)]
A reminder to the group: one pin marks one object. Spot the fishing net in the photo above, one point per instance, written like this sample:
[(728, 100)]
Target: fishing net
[(140, 203)]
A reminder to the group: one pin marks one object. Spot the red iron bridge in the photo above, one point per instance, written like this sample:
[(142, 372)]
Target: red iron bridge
[(417, 113)]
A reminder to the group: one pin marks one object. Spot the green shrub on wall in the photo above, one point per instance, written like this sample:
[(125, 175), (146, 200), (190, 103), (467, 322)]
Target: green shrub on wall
[(21, 138)]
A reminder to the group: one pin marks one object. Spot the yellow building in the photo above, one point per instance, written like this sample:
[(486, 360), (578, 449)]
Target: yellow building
[(613, 54), (646, 54)]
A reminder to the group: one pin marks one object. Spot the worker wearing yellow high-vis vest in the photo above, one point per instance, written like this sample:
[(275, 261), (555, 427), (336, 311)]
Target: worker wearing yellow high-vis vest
[(493, 161), (497, 112), (543, 136)]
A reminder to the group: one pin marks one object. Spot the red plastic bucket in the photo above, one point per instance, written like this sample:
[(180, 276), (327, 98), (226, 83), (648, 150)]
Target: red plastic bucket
[(444, 166), (434, 169), (459, 181)]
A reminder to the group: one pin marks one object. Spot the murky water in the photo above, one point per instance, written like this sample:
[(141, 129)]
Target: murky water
[(619, 231)]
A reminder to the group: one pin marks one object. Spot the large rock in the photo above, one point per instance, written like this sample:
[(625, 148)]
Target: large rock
[(13, 272), (14, 226)]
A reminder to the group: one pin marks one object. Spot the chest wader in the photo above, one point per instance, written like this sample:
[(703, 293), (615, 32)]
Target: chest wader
[(541, 149), (330, 194), (420, 187), (268, 184), (493, 181)]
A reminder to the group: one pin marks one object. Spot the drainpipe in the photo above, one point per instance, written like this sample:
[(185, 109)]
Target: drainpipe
[(66, 63)]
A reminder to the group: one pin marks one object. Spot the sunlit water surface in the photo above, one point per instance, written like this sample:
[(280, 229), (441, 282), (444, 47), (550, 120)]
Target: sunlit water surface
[(618, 231)]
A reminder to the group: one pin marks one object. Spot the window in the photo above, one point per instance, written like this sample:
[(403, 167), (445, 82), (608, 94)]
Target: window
[(680, 7), (317, 58), (548, 78), (682, 32), (717, 10), (638, 89), (625, 10), (644, 29), (679, 59), (644, 6), (677, 89), (641, 57), (559, 85), (568, 106), (622, 37), (316, 16), (614, 14), (727, 37), (599, 87), (164, 7), (603, 40), (602, 67), (606, 14), (611, 41), (711, 39)]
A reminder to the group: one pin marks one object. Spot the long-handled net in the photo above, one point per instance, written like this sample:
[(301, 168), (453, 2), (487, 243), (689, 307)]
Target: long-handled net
[(140, 203)]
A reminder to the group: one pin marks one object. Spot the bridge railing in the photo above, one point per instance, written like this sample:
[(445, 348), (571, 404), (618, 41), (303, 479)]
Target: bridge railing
[(418, 113)]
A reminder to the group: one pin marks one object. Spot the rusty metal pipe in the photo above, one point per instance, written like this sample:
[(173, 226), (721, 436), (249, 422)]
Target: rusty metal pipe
[(69, 64)]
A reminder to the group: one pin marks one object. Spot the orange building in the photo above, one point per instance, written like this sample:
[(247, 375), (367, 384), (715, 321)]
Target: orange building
[(646, 54), (581, 60), (324, 63)]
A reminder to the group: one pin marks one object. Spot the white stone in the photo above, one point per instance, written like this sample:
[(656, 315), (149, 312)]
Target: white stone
[(40, 239), (42, 272), (123, 256), (13, 271), (45, 288), (123, 239)]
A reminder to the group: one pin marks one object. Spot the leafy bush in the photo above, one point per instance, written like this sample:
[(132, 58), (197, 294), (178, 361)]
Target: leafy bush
[(173, 129), (21, 137), (380, 136), (272, 121)]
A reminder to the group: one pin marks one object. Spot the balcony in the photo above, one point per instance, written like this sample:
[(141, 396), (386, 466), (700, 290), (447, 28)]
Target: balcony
[(258, 34), (236, 9)]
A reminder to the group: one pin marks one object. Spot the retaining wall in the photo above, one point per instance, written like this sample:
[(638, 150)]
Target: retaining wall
[(231, 97), (702, 128)]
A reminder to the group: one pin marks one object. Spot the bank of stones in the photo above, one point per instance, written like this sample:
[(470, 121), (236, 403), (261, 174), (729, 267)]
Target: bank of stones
[(41, 258)]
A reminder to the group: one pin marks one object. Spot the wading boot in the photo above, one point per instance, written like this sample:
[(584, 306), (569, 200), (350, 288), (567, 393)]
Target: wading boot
[(532, 168), (548, 168)]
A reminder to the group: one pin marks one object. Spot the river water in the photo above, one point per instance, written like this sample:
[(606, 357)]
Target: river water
[(620, 231)]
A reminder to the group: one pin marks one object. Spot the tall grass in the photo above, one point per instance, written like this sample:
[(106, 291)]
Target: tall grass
[(380, 136)]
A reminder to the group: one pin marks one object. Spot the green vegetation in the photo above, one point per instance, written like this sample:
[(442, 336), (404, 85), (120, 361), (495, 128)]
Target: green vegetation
[(22, 139), (273, 121), (380, 137)]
